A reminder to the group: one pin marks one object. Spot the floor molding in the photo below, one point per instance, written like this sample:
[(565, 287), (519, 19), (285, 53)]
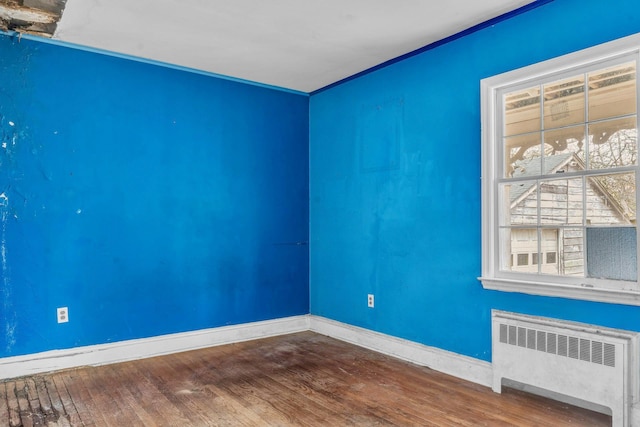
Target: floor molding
[(450, 363), (103, 354), (460, 366)]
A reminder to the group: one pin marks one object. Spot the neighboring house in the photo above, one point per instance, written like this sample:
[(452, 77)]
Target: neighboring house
[(561, 204)]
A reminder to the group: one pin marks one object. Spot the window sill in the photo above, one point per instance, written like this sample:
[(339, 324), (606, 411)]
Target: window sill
[(562, 290)]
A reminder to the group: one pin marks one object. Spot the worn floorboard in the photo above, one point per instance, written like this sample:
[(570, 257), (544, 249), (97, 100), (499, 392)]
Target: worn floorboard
[(303, 379)]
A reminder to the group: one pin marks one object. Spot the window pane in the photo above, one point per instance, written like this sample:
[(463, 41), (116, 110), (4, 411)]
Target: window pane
[(564, 102), (522, 111), (612, 92), (524, 241), (560, 145), (549, 250), (613, 143), (561, 201), (522, 155), (570, 252), (611, 199), (612, 253), (520, 203), (552, 257)]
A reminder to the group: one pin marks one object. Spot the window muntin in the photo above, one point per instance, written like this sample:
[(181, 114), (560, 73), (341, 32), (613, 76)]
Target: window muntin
[(563, 166)]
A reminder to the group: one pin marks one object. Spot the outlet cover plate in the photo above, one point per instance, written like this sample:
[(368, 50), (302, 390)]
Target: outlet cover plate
[(63, 314)]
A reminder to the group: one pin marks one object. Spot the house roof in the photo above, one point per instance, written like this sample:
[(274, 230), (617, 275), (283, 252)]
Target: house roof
[(554, 164), (534, 167)]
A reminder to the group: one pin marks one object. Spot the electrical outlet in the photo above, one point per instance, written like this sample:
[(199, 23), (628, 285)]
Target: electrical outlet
[(370, 300), (63, 314)]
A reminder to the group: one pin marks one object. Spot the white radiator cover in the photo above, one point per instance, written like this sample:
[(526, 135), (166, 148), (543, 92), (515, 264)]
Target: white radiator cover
[(586, 362)]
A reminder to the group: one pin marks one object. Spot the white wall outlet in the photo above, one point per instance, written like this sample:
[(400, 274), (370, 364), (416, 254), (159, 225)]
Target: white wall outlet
[(63, 314), (370, 300)]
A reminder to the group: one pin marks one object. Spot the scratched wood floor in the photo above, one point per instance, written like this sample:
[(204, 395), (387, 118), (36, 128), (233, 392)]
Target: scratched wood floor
[(303, 379)]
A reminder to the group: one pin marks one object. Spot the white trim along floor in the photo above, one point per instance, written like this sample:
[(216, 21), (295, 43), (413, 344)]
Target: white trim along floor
[(467, 368)]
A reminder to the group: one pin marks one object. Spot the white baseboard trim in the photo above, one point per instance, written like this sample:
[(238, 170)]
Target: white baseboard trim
[(450, 363), (102, 354), (460, 366)]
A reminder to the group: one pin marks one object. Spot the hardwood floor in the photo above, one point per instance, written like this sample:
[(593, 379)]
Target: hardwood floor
[(295, 380)]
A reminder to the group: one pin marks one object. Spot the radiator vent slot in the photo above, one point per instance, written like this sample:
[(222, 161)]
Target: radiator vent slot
[(552, 343), (610, 355), (561, 345)]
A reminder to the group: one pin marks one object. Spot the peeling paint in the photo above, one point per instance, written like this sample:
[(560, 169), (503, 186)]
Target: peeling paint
[(26, 14), (10, 333), (10, 324), (4, 205)]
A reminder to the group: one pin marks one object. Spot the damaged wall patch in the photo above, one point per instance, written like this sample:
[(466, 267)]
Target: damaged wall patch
[(38, 17)]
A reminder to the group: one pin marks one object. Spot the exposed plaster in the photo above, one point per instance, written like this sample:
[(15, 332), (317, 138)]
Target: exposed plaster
[(39, 17)]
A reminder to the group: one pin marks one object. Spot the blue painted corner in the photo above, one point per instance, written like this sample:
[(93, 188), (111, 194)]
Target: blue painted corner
[(395, 183)]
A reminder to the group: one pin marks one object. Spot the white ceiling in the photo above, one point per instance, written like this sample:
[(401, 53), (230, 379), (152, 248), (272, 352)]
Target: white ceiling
[(301, 45)]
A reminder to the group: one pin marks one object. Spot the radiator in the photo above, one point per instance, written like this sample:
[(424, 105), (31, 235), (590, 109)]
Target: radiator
[(579, 361)]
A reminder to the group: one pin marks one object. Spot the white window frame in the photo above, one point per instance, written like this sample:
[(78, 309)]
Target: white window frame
[(620, 292)]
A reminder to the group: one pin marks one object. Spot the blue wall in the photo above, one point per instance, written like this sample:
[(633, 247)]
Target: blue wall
[(146, 199), (150, 200), (395, 184)]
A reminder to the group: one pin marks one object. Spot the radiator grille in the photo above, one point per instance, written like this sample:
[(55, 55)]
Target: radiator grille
[(561, 345)]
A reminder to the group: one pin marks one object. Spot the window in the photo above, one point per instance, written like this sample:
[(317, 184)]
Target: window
[(523, 259), (551, 258), (560, 174)]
